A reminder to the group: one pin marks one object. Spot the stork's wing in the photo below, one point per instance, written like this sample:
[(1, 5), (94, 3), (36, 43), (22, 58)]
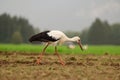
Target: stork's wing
[(43, 37), (55, 34)]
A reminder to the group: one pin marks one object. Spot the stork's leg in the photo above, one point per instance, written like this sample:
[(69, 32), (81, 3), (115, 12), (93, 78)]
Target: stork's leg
[(40, 56), (56, 52)]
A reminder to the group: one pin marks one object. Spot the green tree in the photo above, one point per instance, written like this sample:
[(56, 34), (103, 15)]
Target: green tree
[(16, 38), (108, 32), (5, 24), (26, 29), (98, 32), (9, 25), (115, 36)]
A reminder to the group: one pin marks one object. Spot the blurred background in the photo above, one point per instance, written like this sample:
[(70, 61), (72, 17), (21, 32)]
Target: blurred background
[(95, 21)]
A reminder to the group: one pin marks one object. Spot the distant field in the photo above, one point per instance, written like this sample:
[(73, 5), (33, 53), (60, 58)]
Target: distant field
[(35, 49)]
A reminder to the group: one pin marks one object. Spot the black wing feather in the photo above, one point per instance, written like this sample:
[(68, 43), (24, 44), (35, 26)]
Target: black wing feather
[(42, 37)]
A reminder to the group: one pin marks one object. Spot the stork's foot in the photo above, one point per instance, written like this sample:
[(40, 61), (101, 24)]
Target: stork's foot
[(63, 63), (38, 61)]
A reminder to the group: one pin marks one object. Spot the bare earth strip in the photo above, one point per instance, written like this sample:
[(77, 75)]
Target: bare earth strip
[(78, 67)]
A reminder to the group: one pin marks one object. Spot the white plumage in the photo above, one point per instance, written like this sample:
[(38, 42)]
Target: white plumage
[(56, 34)]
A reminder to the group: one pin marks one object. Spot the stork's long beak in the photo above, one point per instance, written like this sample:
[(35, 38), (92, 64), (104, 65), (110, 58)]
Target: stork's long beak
[(79, 43)]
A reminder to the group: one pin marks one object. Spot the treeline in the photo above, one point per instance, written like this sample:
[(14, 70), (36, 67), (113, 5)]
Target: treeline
[(14, 29), (18, 30), (101, 32)]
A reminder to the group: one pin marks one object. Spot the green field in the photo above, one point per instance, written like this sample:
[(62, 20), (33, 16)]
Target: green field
[(35, 49)]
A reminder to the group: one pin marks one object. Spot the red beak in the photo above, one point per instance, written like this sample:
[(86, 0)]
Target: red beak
[(79, 43)]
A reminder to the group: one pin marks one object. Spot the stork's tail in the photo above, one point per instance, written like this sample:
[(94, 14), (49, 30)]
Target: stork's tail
[(33, 38)]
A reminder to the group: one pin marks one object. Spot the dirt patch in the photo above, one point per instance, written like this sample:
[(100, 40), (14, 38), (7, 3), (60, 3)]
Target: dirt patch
[(78, 67)]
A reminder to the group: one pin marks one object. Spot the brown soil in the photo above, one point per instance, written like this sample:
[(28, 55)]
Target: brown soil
[(78, 67)]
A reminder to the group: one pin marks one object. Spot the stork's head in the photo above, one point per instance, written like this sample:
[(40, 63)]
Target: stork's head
[(77, 39)]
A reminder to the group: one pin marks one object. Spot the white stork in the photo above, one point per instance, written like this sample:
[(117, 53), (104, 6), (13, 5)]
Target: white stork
[(53, 37)]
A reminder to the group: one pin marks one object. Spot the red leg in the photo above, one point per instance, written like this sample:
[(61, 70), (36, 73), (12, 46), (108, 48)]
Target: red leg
[(59, 56), (40, 56)]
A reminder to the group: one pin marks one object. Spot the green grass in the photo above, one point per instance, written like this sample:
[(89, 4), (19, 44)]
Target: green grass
[(29, 48)]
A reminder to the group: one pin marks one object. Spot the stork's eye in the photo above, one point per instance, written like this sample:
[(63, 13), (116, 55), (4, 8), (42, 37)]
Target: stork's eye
[(78, 40)]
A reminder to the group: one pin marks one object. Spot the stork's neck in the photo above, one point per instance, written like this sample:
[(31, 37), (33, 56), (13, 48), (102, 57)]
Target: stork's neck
[(71, 39)]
